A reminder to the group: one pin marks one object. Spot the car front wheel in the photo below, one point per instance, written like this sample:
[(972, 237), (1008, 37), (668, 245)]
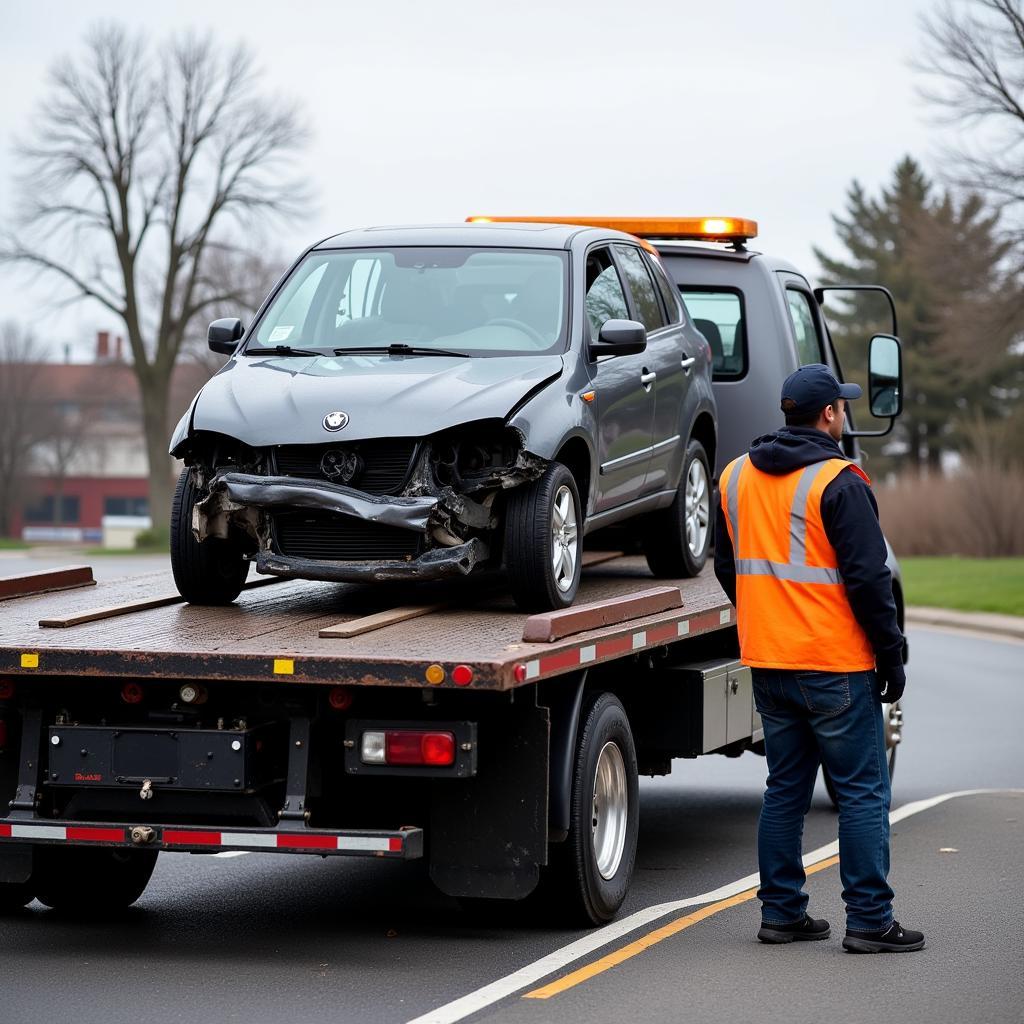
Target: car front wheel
[(544, 541)]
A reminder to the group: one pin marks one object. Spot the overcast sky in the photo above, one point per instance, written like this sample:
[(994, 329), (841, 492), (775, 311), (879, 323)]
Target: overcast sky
[(429, 111)]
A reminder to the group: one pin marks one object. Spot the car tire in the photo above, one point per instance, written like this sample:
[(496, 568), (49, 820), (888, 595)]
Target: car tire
[(588, 875), (79, 879), (677, 539), (212, 572), (540, 518)]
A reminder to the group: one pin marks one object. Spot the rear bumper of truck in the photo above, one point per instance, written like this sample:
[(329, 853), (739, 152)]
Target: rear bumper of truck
[(402, 844)]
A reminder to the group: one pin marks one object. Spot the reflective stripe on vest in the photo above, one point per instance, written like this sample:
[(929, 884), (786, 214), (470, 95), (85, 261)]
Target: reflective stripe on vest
[(796, 568)]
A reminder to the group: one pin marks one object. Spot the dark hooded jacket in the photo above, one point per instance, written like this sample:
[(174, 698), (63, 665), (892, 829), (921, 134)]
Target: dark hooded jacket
[(850, 517)]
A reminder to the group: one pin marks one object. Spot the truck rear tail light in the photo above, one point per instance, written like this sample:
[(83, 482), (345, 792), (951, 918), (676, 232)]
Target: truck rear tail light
[(340, 698), (408, 747), (131, 693)]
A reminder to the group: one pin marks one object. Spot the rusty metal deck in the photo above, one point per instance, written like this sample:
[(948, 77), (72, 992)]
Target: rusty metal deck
[(272, 632)]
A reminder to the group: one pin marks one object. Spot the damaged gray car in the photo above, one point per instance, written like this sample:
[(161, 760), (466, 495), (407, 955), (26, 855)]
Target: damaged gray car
[(419, 403)]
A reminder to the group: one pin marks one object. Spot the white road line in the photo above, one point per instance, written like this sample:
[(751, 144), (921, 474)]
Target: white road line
[(479, 1000)]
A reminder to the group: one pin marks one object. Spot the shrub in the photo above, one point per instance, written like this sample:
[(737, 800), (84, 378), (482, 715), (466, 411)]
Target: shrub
[(156, 538)]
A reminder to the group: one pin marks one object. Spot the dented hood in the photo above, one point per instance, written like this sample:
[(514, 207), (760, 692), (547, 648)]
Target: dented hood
[(283, 400)]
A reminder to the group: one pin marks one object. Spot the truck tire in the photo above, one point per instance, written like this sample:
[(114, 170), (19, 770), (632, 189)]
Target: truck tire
[(589, 874), (677, 539), (212, 572), (80, 879), (544, 541)]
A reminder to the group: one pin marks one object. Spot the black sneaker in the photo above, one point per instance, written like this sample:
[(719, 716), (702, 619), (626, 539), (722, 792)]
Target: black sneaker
[(807, 930), (894, 939)]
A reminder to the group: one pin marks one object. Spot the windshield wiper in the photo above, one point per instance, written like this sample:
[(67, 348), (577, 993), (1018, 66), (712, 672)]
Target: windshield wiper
[(284, 350), (401, 349)]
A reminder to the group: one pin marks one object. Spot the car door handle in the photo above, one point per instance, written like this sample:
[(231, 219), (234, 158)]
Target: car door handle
[(647, 378), (688, 362)]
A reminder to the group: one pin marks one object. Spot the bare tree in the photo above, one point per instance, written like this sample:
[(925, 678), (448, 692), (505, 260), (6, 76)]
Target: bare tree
[(22, 423), (137, 168), (974, 55)]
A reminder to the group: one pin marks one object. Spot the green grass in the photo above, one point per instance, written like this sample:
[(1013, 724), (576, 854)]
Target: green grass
[(147, 550), (965, 584), (11, 544)]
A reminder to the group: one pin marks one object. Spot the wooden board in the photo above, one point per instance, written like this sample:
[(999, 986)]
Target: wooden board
[(68, 577), (368, 623), (550, 626)]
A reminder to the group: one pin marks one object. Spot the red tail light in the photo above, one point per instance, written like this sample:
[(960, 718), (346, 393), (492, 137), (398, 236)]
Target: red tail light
[(340, 698), (414, 747), (131, 693)]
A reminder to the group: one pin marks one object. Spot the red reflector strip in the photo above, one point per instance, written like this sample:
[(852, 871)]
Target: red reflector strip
[(177, 837), (5, 831), (395, 845), (297, 842), (96, 835)]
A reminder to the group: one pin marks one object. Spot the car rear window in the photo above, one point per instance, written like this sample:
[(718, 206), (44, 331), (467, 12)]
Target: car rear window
[(718, 314)]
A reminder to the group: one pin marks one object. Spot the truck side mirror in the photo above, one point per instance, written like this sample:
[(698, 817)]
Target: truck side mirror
[(223, 335), (619, 338), (885, 376)]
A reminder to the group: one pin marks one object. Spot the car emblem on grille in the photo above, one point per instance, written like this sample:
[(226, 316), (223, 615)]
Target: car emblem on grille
[(335, 420)]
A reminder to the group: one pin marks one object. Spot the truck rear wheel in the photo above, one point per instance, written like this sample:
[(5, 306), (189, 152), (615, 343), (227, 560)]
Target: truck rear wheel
[(211, 572), (590, 872), (80, 879), (544, 541), (677, 539)]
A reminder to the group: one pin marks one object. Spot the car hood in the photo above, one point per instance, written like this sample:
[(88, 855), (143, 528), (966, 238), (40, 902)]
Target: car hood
[(283, 400)]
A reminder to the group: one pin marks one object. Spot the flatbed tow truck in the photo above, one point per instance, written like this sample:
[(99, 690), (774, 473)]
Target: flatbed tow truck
[(500, 746)]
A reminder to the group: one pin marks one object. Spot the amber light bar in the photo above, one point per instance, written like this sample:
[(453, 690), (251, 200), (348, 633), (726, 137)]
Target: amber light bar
[(703, 229)]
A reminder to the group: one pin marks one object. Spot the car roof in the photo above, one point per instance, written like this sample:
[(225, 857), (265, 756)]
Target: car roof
[(509, 236)]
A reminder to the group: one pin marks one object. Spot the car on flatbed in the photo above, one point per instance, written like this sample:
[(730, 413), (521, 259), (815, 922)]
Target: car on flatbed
[(417, 403)]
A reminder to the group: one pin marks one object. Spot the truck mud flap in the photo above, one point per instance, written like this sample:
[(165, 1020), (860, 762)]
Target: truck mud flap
[(403, 844), (488, 834)]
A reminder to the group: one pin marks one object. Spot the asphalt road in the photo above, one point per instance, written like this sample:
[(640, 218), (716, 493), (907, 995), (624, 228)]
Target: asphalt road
[(262, 938)]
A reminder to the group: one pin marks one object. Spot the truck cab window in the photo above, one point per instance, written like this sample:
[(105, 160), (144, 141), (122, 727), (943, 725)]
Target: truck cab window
[(718, 315), (648, 309), (605, 298), (805, 327)]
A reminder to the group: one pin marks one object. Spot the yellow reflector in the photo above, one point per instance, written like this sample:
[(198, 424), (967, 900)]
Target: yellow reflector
[(705, 229), (284, 667), (435, 674), (30, 661)]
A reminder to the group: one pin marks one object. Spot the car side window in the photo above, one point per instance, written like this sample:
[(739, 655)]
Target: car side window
[(648, 309), (805, 327), (605, 298), (718, 314), (669, 295)]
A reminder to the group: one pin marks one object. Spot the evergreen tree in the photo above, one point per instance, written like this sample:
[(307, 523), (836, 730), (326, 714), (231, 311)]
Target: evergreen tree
[(959, 305)]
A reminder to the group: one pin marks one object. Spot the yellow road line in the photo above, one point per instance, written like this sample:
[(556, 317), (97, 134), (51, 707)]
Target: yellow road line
[(638, 946)]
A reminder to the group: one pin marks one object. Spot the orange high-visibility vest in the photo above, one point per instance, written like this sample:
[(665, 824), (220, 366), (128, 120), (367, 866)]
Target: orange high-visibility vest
[(791, 606)]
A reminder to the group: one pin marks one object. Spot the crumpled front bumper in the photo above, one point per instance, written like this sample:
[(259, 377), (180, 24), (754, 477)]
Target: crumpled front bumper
[(435, 564)]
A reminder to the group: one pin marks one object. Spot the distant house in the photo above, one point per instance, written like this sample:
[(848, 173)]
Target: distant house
[(90, 459)]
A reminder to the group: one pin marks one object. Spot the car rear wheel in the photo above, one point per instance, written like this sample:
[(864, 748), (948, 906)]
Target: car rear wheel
[(79, 879), (589, 874), (211, 572), (544, 541), (677, 539)]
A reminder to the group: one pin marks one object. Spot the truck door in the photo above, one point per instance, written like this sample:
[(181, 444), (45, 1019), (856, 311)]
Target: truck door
[(667, 359), (625, 399)]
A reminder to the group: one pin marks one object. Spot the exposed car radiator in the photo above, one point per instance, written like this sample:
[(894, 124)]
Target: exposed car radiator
[(325, 535), (381, 465)]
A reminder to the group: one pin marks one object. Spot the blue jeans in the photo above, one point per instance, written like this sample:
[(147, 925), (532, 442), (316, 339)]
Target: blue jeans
[(813, 717)]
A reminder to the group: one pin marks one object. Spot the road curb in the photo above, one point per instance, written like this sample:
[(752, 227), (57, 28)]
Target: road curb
[(978, 622)]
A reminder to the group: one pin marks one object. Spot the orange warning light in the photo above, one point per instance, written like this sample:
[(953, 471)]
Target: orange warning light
[(703, 229)]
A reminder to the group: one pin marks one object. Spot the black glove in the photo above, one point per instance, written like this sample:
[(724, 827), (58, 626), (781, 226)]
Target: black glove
[(890, 681)]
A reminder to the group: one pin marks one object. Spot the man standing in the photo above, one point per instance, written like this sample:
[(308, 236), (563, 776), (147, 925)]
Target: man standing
[(800, 553)]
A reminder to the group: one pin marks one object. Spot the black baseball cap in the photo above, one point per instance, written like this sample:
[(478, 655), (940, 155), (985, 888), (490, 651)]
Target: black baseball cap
[(811, 388)]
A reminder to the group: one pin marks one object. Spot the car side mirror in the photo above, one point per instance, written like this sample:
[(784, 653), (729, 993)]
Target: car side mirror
[(619, 338), (223, 335), (885, 376)]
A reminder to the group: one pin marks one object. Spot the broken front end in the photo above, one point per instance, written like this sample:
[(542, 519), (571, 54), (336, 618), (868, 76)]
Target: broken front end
[(373, 509)]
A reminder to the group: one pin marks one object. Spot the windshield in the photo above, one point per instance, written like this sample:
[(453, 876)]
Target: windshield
[(488, 302)]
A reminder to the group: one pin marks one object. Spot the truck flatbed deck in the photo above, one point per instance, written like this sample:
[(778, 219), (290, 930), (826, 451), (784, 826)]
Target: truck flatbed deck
[(272, 632)]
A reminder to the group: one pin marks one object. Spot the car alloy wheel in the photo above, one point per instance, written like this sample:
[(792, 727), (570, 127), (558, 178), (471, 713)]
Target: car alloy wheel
[(564, 539), (698, 508)]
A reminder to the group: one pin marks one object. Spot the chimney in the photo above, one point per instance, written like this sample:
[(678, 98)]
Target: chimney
[(118, 346), (102, 346)]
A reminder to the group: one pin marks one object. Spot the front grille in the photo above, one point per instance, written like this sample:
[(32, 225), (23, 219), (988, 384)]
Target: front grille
[(384, 462), (328, 536)]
